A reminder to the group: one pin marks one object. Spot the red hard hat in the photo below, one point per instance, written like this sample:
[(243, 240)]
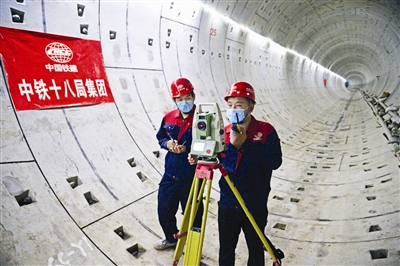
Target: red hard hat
[(241, 89), (181, 87)]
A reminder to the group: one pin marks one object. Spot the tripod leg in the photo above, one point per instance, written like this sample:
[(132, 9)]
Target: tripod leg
[(196, 235), (251, 219), (192, 205)]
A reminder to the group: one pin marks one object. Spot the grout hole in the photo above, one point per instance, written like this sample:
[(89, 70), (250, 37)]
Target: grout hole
[(156, 153), (81, 9), (378, 254), (136, 251), (306, 180), (379, 167), (120, 232), (310, 173), (74, 181), (371, 198), (84, 29), (294, 200), (90, 198), (387, 180), (113, 35), (24, 198), (369, 186), (141, 176), (17, 16), (301, 189), (132, 162), (280, 226), (374, 228), (278, 198)]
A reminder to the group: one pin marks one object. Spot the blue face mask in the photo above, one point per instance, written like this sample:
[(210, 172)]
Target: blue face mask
[(236, 116), (185, 106)]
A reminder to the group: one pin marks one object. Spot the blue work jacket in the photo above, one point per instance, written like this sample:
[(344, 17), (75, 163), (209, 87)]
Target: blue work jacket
[(250, 167), (174, 126)]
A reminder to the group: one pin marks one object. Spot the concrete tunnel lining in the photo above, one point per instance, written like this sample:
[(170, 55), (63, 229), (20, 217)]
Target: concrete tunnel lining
[(335, 200)]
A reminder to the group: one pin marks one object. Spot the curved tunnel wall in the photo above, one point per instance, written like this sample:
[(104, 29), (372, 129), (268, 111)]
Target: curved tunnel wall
[(339, 178)]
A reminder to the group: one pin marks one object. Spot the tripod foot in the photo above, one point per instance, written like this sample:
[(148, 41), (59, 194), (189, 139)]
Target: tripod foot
[(277, 263)]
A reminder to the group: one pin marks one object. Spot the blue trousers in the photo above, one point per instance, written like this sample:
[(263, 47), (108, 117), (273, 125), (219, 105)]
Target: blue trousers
[(230, 224), (171, 193)]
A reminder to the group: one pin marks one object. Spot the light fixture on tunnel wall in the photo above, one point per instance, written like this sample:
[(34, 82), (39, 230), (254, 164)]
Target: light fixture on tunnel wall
[(17, 16), (190, 38), (203, 52), (80, 9), (191, 49), (167, 44), (150, 42), (84, 29), (169, 32), (113, 35)]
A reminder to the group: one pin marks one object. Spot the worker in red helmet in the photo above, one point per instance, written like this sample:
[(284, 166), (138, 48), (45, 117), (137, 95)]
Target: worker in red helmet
[(175, 136), (252, 152)]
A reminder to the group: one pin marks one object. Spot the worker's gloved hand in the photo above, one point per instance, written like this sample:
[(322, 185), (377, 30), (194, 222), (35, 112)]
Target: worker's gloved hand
[(237, 136)]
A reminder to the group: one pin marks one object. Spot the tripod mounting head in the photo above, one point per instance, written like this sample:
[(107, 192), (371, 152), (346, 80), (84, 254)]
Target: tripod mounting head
[(208, 132)]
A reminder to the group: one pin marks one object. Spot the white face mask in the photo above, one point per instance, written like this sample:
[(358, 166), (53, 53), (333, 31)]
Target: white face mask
[(236, 116)]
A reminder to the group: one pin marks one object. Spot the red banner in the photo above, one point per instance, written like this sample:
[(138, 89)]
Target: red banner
[(48, 71)]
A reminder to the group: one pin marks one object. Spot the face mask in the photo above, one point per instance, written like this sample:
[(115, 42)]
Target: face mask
[(236, 116), (185, 106)]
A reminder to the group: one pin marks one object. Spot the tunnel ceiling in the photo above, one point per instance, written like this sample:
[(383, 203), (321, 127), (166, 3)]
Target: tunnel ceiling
[(351, 38)]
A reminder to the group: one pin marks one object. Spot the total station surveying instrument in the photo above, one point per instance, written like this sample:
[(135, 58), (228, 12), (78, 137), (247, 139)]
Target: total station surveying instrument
[(208, 141)]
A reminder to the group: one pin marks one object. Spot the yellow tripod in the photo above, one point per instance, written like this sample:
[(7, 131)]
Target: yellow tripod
[(194, 236)]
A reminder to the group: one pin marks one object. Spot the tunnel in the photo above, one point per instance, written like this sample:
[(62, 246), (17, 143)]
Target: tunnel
[(80, 178)]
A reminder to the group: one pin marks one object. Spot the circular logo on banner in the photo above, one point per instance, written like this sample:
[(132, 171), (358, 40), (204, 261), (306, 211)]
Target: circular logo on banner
[(59, 52)]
